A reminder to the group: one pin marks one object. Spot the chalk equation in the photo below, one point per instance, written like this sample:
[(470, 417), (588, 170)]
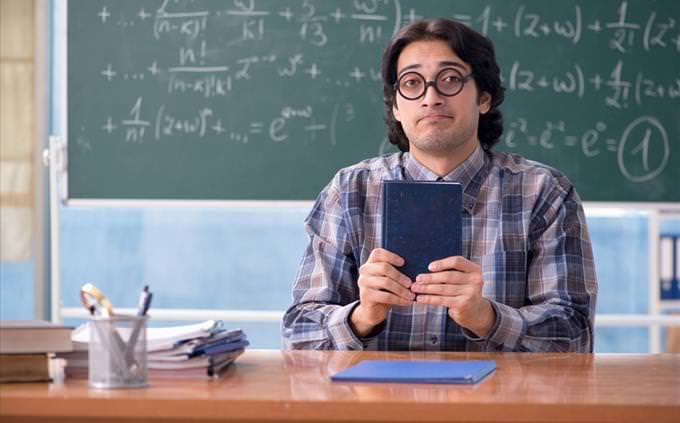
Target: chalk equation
[(616, 90), (141, 125), (641, 150), (620, 29)]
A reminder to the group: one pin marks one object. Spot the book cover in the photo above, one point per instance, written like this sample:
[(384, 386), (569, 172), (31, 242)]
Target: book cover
[(404, 371), (34, 336), (422, 222)]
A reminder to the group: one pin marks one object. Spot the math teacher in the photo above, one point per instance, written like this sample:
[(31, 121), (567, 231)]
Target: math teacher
[(526, 280)]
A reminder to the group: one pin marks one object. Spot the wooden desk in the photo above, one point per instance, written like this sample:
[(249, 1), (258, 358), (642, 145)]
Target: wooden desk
[(294, 386)]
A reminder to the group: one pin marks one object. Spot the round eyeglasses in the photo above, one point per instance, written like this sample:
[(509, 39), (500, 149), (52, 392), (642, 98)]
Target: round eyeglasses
[(448, 82)]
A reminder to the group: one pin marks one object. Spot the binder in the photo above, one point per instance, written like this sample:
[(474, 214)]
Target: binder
[(404, 371), (422, 222), (669, 267)]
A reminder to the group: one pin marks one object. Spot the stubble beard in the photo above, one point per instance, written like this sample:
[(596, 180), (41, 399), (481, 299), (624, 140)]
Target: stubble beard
[(442, 141)]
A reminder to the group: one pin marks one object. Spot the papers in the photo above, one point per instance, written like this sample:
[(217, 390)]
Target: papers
[(197, 361), (157, 339), (202, 349), (199, 351), (402, 371)]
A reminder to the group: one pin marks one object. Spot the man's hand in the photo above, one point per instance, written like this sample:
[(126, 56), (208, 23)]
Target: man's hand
[(380, 286), (456, 283)]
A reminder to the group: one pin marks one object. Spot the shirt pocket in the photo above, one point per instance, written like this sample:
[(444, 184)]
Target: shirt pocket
[(505, 277)]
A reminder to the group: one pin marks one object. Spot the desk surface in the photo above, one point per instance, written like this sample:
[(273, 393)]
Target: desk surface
[(268, 385)]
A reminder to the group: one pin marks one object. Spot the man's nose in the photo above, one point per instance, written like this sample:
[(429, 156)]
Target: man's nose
[(432, 96)]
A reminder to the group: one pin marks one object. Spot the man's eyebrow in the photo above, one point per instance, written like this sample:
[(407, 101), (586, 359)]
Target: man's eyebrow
[(450, 63), (443, 63)]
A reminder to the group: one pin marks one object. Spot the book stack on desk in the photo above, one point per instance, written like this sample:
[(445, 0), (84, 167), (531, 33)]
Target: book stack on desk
[(202, 350), (26, 348)]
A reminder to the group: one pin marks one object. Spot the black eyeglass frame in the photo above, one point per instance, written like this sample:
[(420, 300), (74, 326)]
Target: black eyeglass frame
[(433, 83)]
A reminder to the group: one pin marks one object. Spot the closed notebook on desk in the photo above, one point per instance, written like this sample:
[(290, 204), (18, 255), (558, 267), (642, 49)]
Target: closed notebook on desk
[(403, 371), (421, 222)]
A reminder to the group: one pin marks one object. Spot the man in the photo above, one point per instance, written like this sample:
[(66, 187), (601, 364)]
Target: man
[(527, 279)]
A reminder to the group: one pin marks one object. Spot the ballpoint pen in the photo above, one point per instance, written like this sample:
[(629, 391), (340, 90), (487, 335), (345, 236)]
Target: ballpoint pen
[(142, 308)]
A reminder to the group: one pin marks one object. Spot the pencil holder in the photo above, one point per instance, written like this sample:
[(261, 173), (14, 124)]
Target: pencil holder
[(117, 352)]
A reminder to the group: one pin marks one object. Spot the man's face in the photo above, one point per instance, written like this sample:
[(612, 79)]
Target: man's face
[(434, 123)]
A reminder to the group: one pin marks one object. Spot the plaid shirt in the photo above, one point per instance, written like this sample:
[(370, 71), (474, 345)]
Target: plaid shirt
[(523, 223)]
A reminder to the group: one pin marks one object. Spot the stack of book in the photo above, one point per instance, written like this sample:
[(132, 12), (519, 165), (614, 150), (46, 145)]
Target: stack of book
[(202, 350), (26, 348)]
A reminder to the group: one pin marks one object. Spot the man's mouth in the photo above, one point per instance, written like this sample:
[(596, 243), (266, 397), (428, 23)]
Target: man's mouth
[(434, 117)]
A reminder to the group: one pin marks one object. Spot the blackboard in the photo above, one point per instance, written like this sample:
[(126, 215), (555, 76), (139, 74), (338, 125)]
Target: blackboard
[(266, 100)]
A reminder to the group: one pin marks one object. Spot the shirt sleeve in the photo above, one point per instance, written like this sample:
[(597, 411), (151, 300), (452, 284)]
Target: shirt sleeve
[(561, 285), (325, 290)]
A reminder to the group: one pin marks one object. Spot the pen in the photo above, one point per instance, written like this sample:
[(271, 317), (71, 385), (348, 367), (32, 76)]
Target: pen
[(144, 301), (142, 308)]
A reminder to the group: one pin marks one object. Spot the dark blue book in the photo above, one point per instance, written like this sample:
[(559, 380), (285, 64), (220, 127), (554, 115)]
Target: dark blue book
[(403, 371), (422, 222)]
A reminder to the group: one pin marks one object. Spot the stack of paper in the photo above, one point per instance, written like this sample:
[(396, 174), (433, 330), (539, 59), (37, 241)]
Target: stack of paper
[(199, 350)]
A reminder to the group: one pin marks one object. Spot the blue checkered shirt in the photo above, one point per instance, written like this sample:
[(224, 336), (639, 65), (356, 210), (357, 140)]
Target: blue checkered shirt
[(523, 223)]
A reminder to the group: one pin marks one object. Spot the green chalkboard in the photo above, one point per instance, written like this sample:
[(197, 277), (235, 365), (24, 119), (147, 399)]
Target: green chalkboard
[(266, 100)]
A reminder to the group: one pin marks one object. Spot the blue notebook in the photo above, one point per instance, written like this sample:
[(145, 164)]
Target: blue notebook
[(422, 222), (403, 371)]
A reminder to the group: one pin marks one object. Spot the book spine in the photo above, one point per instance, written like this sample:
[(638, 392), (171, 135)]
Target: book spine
[(384, 214)]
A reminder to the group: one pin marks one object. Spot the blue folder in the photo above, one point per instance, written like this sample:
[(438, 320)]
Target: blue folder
[(404, 371)]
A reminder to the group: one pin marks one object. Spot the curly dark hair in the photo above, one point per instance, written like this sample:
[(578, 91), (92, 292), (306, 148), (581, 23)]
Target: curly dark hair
[(473, 48)]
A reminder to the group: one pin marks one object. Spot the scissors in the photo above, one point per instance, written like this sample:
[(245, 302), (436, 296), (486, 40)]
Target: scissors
[(94, 300)]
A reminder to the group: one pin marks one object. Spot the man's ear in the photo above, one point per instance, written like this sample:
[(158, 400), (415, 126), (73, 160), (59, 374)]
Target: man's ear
[(484, 102), (395, 112)]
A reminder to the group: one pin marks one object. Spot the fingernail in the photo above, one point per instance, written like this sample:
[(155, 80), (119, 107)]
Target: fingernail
[(432, 267)]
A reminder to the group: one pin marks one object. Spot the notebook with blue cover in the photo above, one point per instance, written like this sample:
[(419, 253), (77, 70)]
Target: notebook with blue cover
[(422, 222), (404, 371)]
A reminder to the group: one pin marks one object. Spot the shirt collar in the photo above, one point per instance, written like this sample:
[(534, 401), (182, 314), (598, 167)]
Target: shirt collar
[(464, 174)]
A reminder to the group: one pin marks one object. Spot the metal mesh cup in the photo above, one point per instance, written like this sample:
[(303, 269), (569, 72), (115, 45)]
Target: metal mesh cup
[(117, 352)]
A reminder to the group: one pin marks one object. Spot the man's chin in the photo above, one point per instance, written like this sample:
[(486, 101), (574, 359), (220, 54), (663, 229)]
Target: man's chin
[(438, 145), (433, 146)]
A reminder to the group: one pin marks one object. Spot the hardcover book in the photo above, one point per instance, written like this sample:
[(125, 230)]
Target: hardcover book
[(24, 368), (422, 222), (34, 336)]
